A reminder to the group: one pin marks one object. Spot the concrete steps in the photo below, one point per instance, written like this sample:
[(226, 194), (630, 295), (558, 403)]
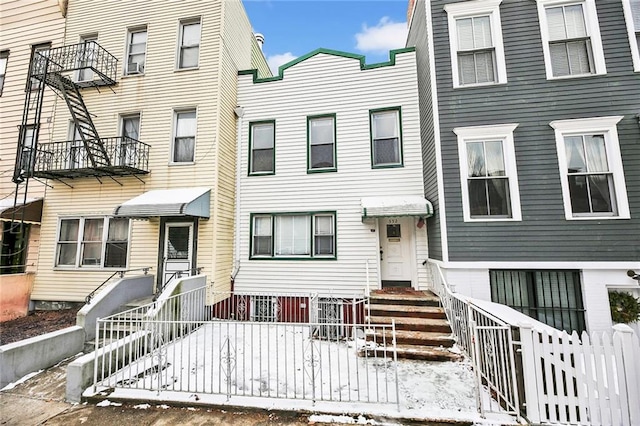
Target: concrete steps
[(422, 329)]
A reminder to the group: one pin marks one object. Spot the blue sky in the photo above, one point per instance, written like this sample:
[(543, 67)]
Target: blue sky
[(293, 28)]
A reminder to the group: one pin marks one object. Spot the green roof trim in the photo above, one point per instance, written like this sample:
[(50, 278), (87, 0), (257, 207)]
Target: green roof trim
[(361, 58)]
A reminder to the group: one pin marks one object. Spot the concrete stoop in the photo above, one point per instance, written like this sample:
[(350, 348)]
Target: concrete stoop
[(422, 329)]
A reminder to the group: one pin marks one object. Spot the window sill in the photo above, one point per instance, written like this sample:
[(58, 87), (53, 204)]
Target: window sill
[(181, 163), (489, 219), (132, 75), (598, 217), (262, 174), (569, 77), (87, 268), (314, 171), (387, 166), (473, 86), (186, 69), (293, 258)]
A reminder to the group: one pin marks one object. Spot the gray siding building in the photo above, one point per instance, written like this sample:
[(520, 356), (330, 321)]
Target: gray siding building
[(531, 150)]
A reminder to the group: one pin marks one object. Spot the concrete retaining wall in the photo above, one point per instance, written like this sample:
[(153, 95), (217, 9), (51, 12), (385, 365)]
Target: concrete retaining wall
[(111, 298), (26, 356)]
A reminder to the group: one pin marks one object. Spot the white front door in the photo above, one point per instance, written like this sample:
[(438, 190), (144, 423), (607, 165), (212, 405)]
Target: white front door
[(178, 249), (396, 255)]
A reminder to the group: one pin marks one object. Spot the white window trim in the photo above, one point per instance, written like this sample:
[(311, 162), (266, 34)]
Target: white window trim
[(635, 49), (125, 67), (174, 129), (593, 30), (181, 24), (469, 9), (580, 126), (478, 133), (105, 235)]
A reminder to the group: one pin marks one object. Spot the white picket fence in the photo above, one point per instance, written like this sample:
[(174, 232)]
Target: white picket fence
[(589, 379), (592, 379)]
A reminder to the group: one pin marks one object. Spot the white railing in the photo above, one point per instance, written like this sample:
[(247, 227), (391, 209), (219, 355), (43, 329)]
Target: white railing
[(487, 341), (542, 374), (250, 345)]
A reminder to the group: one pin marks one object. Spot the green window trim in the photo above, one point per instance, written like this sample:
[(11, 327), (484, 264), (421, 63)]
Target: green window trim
[(312, 237), (400, 159), (334, 167), (251, 140)]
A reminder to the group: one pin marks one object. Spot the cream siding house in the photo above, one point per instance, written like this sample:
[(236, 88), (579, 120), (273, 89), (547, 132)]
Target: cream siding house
[(173, 101), (331, 197), (25, 26)]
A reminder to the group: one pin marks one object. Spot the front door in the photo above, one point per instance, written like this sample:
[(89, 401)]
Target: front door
[(178, 249), (396, 258)]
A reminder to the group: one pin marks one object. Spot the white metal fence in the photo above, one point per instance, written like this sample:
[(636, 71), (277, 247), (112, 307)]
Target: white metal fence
[(240, 346), (545, 375)]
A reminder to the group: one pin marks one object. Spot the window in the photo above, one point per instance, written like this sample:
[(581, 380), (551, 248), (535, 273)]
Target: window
[(27, 160), (36, 66), (321, 137), (488, 174), (136, 51), (386, 137), (551, 297), (184, 140), (87, 57), (591, 173), (301, 235), (130, 130), (632, 17), (264, 309), (570, 38), (475, 40), (4, 57), (330, 315), (93, 242), (189, 49), (262, 155)]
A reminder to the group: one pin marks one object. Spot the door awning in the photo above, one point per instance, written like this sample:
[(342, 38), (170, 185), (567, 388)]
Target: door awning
[(32, 209), (396, 206), (176, 202)]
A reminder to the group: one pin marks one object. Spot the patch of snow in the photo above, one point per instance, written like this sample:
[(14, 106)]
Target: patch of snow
[(142, 406), (106, 403), (21, 380), (326, 418), (163, 406), (192, 409)]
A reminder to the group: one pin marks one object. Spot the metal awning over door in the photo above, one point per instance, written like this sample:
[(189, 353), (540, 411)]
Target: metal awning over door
[(390, 206), (178, 202), (32, 210)]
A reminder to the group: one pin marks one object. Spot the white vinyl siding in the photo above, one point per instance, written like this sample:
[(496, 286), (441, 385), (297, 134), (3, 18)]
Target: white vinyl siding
[(591, 174), (570, 38), (475, 40), (314, 87), (488, 175), (632, 18)]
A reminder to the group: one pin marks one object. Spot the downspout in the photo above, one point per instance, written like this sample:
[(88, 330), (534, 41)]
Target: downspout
[(239, 111)]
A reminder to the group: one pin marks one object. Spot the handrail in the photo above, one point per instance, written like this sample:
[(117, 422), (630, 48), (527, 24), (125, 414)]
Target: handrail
[(88, 298)]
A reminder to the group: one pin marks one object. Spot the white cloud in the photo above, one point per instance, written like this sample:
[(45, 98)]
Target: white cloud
[(275, 61), (384, 36)]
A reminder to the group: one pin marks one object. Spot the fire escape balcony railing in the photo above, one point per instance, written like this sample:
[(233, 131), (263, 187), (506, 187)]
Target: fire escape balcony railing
[(69, 159), (88, 64)]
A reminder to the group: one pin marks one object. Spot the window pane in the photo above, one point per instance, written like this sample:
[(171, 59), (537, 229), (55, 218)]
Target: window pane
[(69, 229), (116, 255), (478, 197), (183, 150), (467, 68), (578, 53), (67, 253), (92, 254), (324, 225), (555, 21), (559, 59), (186, 123), (191, 34), (499, 203), (118, 230), (484, 67), (262, 236), (131, 127), (93, 229), (575, 24), (262, 246), (575, 154), (139, 39), (321, 131), (262, 136), (384, 125), (324, 245), (262, 226), (475, 159), (495, 158), (293, 234), (321, 156), (465, 34), (635, 12), (596, 153), (386, 151), (178, 242), (579, 194), (189, 57), (262, 160), (482, 32), (601, 188)]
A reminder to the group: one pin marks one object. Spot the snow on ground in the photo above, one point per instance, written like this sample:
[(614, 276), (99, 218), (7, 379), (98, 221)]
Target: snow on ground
[(242, 363), (20, 380)]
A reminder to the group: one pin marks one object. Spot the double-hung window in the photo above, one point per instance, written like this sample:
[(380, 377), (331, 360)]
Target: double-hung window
[(189, 48), (4, 58), (591, 174), (293, 235), (570, 38), (488, 175), (632, 17), (28, 158), (130, 130), (184, 138), (262, 154), (475, 40), (386, 137), (321, 136), (136, 50), (93, 242)]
